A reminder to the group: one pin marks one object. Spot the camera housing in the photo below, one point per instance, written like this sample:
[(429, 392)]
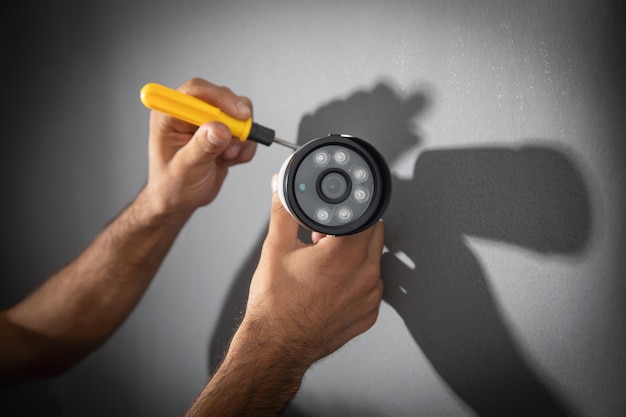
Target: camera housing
[(337, 185)]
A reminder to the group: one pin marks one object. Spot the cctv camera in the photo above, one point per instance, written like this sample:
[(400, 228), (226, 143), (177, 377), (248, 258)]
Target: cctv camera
[(337, 185)]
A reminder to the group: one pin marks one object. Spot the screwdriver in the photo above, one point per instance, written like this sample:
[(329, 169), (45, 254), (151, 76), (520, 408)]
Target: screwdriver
[(193, 110)]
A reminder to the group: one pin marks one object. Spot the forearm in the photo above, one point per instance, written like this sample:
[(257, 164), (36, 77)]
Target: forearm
[(82, 304), (257, 378)]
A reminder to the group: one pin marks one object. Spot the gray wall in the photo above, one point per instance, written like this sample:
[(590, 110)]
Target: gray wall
[(503, 122)]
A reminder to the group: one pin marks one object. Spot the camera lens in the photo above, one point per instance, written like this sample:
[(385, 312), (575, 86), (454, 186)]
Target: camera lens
[(334, 186)]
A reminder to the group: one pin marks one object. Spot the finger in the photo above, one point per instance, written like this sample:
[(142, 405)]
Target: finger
[(163, 123), (232, 151), (208, 143), (219, 96), (239, 152), (357, 240), (317, 236), (283, 228), (248, 149), (167, 136), (248, 102)]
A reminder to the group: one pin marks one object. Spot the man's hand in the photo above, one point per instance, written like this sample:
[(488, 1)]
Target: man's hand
[(188, 164), (311, 299), (80, 306), (305, 302)]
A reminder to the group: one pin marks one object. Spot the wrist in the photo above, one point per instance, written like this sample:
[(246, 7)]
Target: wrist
[(151, 211), (268, 351), (256, 378)]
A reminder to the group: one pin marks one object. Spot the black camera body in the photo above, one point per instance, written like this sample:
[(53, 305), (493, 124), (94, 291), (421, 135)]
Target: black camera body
[(337, 185)]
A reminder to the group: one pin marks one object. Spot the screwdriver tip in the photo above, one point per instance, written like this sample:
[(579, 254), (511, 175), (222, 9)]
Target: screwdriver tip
[(286, 143)]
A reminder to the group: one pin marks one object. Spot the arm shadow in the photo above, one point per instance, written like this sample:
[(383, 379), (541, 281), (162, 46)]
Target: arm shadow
[(532, 196)]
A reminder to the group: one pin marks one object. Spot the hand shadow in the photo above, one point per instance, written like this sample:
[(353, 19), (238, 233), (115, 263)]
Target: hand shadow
[(532, 197)]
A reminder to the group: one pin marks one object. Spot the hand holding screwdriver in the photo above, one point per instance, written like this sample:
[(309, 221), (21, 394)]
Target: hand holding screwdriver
[(195, 111)]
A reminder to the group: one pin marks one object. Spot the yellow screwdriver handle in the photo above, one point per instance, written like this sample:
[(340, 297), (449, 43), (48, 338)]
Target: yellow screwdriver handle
[(190, 109)]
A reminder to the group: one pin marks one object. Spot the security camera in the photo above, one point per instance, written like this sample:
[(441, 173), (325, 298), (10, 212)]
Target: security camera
[(336, 185)]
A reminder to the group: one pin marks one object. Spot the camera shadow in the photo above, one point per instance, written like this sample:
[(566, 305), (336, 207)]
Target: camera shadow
[(531, 196)]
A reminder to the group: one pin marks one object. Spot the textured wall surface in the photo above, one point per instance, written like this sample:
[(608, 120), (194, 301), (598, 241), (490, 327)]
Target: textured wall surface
[(502, 121)]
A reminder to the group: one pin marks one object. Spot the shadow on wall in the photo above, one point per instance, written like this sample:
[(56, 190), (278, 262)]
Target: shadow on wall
[(532, 196)]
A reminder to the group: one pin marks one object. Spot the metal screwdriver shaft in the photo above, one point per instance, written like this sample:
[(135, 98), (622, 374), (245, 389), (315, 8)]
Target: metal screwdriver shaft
[(286, 143)]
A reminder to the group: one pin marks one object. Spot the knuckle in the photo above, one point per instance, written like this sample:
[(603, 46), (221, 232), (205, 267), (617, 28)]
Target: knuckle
[(195, 81), (224, 91), (192, 84), (372, 318), (371, 274)]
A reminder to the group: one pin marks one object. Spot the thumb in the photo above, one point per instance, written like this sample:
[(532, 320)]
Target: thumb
[(209, 141), (283, 228)]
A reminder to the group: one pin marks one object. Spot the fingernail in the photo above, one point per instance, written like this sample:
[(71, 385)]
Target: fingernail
[(243, 109), (274, 183), (215, 138)]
